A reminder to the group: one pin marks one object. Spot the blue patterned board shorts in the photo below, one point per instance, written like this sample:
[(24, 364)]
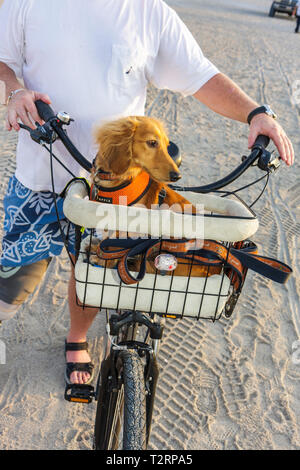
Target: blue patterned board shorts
[(31, 229)]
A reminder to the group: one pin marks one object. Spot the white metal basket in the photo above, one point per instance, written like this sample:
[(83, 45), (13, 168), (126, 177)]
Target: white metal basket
[(200, 297)]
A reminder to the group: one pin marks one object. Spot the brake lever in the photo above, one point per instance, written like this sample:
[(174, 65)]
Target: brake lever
[(23, 126), (41, 134)]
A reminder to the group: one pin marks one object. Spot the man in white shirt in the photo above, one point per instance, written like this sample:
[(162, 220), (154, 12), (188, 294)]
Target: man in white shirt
[(95, 60), (297, 13)]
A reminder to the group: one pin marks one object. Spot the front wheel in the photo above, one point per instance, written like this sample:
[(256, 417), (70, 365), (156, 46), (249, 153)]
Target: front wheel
[(121, 411)]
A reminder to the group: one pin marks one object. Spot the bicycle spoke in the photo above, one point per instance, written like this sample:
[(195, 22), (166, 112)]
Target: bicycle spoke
[(117, 422)]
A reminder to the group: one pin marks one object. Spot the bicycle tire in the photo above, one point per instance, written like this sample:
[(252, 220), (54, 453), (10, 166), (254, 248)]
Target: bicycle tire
[(124, 408)]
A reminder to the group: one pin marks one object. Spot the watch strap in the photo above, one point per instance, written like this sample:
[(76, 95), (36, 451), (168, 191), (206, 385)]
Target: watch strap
[(259, 110)]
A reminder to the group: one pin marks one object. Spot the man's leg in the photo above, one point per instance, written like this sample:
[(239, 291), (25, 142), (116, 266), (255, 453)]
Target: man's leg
[(17, 283), (298, 24), (7, 311), (80, 321), (21, 268)]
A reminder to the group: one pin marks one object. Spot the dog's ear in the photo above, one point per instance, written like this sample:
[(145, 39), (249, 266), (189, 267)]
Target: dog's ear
[(115, 140)]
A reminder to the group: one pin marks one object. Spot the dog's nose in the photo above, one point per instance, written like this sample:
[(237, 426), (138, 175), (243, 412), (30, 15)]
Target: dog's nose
[(174, 176)]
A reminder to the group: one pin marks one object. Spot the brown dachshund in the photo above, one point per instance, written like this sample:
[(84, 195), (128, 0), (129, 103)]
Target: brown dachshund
[(133, 162)]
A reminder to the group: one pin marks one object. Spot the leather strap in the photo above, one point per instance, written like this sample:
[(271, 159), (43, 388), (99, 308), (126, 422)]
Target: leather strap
[(212, 253)]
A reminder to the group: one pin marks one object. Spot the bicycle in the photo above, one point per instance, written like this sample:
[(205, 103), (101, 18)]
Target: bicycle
[(127, 381)]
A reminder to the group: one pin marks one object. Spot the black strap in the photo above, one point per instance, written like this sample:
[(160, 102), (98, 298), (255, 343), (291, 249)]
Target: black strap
[(259, 110), (76, 346), (79, 367), (161, 196), (267, 267)]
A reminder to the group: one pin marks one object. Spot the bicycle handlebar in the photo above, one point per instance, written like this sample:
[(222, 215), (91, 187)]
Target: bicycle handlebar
[(47, 114), (258, 148), (45, 111), (261, 142), (72, 149)]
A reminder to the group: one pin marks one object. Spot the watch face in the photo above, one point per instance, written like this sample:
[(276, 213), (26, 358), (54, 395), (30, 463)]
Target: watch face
[(269, 111)]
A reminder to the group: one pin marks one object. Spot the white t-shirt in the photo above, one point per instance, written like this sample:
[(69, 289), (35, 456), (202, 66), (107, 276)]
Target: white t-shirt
[(94, 58), (298, 9)]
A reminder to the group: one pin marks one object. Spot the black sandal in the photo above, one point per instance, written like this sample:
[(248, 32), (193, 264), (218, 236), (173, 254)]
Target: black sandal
[(78, 366)]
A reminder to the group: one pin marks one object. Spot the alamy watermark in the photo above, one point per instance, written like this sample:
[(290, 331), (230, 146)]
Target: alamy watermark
[(2, 352), (159, 222)]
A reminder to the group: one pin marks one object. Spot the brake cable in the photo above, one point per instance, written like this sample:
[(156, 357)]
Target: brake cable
[(54, 195), (267, 175), (43, 137), (58, 160), (263, 190)]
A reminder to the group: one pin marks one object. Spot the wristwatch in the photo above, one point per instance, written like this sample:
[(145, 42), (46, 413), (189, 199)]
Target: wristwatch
[(265, 108)]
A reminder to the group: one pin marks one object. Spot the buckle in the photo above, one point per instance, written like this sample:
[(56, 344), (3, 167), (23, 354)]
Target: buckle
[(79, 393)]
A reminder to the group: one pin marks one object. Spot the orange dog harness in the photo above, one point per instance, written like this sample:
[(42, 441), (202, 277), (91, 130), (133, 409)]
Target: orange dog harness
[(126, 194)]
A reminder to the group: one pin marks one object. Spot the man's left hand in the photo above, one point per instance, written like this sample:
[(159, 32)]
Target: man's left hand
[(266, 125)]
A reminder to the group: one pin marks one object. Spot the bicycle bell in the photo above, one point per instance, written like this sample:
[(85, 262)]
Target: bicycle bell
[(64, 117)]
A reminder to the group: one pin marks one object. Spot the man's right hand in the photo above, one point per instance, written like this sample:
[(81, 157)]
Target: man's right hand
[(21, 106)]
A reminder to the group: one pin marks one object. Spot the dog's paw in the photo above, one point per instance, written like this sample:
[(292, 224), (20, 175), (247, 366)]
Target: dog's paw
[(91, 249), (94, 259)]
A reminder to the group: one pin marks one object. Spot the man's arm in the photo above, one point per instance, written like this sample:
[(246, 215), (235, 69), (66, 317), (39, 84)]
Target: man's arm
[(10, 81), (224, 97), (21, 106)]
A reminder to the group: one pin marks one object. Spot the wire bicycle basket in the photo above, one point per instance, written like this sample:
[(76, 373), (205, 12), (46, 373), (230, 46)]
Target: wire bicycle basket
[(171, 295)]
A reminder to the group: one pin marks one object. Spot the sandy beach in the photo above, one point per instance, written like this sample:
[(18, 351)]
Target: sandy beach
[(230, 385)]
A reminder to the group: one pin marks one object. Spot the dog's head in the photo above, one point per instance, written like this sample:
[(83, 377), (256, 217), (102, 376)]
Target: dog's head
[(130, 145)]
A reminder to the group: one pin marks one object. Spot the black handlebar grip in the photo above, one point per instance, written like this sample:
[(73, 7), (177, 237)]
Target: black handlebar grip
[(261, 141), (45, 111)]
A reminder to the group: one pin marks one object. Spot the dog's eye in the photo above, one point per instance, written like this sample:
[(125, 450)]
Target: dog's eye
[(152, 143)]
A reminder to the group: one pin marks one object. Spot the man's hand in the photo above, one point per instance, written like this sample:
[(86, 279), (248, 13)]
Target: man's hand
[(266, 125), (223, 96), (21, 106)]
